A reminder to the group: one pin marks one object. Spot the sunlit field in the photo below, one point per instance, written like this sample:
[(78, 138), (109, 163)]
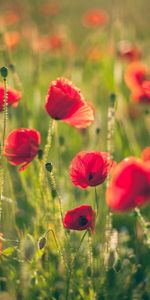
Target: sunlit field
[(74, 150)]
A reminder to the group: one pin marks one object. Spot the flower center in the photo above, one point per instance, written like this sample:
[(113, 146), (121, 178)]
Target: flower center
[(90, 176), (83, 221)]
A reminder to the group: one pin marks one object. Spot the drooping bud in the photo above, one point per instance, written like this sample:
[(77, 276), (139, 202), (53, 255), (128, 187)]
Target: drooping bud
[(42, 242)]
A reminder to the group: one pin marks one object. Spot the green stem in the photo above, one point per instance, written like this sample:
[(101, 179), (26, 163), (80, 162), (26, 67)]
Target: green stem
[(144, 224), (5, 111), (2, 149), (57, 245), (96, 201), (54, 193), (69, 275), (46, 149)]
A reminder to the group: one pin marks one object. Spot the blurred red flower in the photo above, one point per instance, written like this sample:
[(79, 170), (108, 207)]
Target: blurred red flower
[(80, 218), (21, 146), (136, 79), (65, 102), (56, 42), (9, 18), (141, 93), (13, 96), (95, 18), (146, 154), (129, 186), (94, 54), (12, 39), (135, 74), (127, 51), (50, 9), (47, 43), (90, 168)]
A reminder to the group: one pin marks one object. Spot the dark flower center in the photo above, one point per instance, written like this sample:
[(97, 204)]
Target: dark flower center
[(83, 221), (90, 177)]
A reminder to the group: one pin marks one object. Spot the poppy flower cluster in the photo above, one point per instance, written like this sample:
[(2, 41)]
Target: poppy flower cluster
[(90, 168), (136, 78), (80, 218), (129, 186), (86, 169), (94, 18), (13, 97), (21, 146), (65, 102)]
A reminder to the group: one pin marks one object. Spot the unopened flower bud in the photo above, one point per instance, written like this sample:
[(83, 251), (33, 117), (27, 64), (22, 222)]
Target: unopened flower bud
[(4, 72), (112, 98), (42, 242), (40, 154), (28, 247), (49, 166)]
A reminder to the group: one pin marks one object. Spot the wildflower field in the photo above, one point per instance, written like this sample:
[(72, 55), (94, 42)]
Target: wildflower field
[(74, 150)]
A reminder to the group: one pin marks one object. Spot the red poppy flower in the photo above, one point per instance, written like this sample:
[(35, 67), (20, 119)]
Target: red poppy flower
[(130, 185), (65, 102), (141, 93), (127, 51), (146, 154), (136, 79), (80, 218), (90, 168), (13, 96), (95, 18), (21, 146), (135, 74)]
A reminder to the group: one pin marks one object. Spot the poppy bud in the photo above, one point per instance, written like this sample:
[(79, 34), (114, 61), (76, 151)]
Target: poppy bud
[(112, 98), (42, 242), (98, 130), (28, 247), (12, 67), (4, 72), (117, 266), (49, 167), (40, 154)]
